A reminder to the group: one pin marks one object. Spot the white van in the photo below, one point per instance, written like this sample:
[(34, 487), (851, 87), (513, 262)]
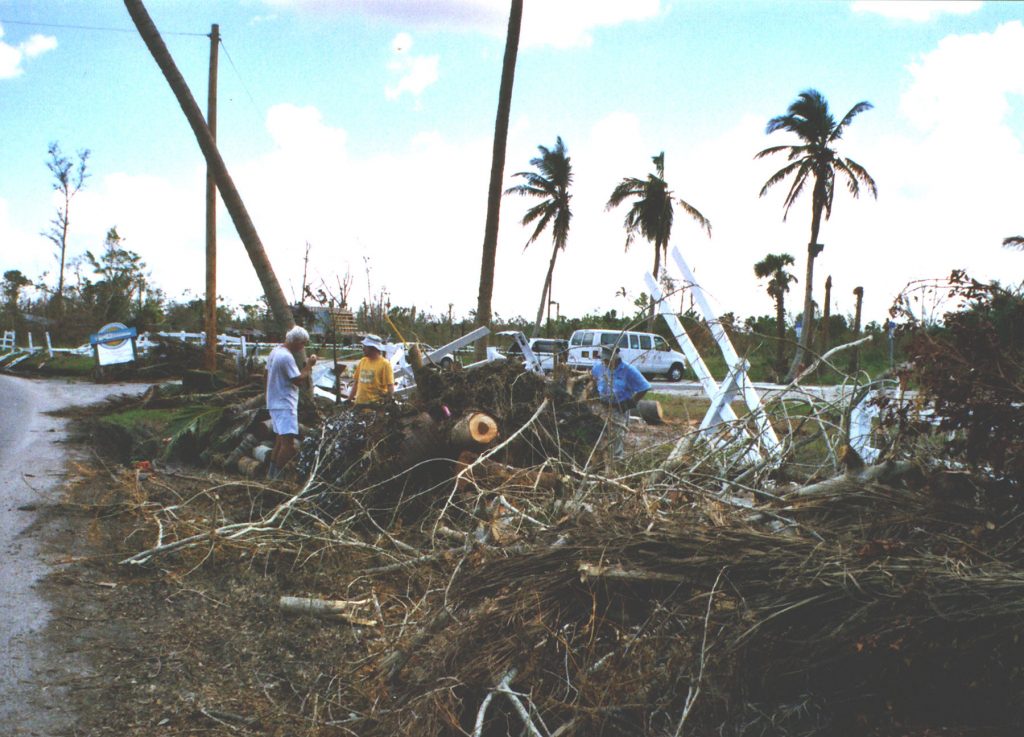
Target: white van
[(648, 352)]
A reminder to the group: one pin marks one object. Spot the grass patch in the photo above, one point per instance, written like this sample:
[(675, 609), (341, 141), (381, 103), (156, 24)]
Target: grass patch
[(135, 434)]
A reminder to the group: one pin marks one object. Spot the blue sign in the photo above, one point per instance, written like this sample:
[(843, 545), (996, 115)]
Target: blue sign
[(115, 332)]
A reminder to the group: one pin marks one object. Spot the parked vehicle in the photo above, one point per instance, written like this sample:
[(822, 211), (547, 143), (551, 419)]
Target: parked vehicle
[(648, 352), (444, 361), (550, 352)]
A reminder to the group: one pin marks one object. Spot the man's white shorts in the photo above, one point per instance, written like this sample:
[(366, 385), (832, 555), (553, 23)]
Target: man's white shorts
[(285, 421)]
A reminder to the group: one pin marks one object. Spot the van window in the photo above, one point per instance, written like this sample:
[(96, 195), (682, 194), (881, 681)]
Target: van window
[(660, 344), (634, 341), (577, 338), (545, 346), (645, 342), (609, 338)]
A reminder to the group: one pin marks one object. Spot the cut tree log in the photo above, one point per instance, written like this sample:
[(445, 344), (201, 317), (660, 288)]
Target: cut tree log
[(651, 412), (474, 430), (249, 467), (327, 609)]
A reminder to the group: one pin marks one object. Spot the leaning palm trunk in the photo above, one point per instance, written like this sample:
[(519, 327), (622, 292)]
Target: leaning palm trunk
[(232, 200), (545, 295), (808, 327)]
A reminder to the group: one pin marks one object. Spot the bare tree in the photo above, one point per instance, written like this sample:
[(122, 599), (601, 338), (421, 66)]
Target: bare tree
[(68, 180)]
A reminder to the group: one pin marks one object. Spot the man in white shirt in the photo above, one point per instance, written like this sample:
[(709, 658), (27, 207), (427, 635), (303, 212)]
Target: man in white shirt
[(283, 381)]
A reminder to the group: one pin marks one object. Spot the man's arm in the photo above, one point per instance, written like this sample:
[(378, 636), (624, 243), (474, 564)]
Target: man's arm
[(304, 374)]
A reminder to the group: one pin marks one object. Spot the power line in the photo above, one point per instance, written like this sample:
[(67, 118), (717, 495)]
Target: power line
[(240, 80), (94, 28)]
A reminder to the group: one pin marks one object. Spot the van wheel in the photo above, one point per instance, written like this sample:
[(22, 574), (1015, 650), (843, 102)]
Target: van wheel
[(676, 372)]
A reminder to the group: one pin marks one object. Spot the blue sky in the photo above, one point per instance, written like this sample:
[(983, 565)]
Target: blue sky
[(364, 127)]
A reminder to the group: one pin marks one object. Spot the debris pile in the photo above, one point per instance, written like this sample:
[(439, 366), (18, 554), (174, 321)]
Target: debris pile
[(518, 585)]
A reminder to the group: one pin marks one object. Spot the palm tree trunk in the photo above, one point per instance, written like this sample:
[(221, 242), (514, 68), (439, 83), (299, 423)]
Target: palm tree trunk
[(657, 268), (780, 335), (490, 247), (545, 295), (229, 194), (812, 253)]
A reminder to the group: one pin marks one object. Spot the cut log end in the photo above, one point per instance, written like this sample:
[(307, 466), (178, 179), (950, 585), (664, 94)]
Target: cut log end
[(475, 429), (651, 412)]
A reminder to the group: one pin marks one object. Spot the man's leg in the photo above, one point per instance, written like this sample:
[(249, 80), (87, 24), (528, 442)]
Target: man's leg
[(274, 466), (289, 449), (617, 422)]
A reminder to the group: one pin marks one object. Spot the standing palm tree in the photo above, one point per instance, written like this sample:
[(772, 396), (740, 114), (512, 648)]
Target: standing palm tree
[(490, 247), (651, 214), (551, 182), (814, 160), (774, 265)]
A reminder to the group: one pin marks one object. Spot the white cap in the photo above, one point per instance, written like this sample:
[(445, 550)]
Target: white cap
[(374, 341)]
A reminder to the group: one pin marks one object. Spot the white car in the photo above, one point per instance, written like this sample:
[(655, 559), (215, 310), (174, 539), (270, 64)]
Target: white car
[(647, 351)]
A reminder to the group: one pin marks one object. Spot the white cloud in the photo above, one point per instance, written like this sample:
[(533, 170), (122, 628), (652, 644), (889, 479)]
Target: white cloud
[(415, 73), (965, 82), (448, 14), (916, 10), (38, 44), (569, 23), (11, 57), (558, 23)]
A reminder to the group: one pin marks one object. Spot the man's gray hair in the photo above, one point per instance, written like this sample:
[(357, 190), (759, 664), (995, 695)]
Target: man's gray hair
[(297, 334)]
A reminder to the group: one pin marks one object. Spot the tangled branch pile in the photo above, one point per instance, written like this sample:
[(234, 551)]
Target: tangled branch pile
[(527, 590)]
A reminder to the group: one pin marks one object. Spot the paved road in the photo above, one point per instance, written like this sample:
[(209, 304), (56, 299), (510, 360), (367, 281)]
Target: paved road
[(32, 465)]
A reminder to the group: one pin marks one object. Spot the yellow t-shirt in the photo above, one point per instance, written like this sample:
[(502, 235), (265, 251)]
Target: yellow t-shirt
[(373, 377)]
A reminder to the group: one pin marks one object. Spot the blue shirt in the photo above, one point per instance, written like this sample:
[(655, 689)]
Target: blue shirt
[(626, 381)]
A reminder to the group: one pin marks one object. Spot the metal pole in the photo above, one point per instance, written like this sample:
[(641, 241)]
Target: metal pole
[(210, 357)]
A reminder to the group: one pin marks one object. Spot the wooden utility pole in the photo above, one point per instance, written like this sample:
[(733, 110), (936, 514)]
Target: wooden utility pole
[(210, 359), (228, 191)]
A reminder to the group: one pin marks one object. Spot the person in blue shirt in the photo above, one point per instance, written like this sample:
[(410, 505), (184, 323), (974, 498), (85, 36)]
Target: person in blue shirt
[(620, 386)]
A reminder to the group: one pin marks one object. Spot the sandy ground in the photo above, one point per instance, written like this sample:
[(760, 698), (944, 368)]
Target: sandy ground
[(33, 676)]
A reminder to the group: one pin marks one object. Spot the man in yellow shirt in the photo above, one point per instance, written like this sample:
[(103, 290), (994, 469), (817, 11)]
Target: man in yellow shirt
[(374, 377)]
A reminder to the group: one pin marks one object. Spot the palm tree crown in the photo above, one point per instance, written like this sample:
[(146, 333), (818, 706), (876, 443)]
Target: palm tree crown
[(652, 212), (550, 182), (815, 157), (774, 265)]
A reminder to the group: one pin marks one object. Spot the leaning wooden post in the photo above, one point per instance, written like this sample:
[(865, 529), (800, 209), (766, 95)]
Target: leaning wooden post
[(826, 313), (855, 354), (228, 192), (210, 358)]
